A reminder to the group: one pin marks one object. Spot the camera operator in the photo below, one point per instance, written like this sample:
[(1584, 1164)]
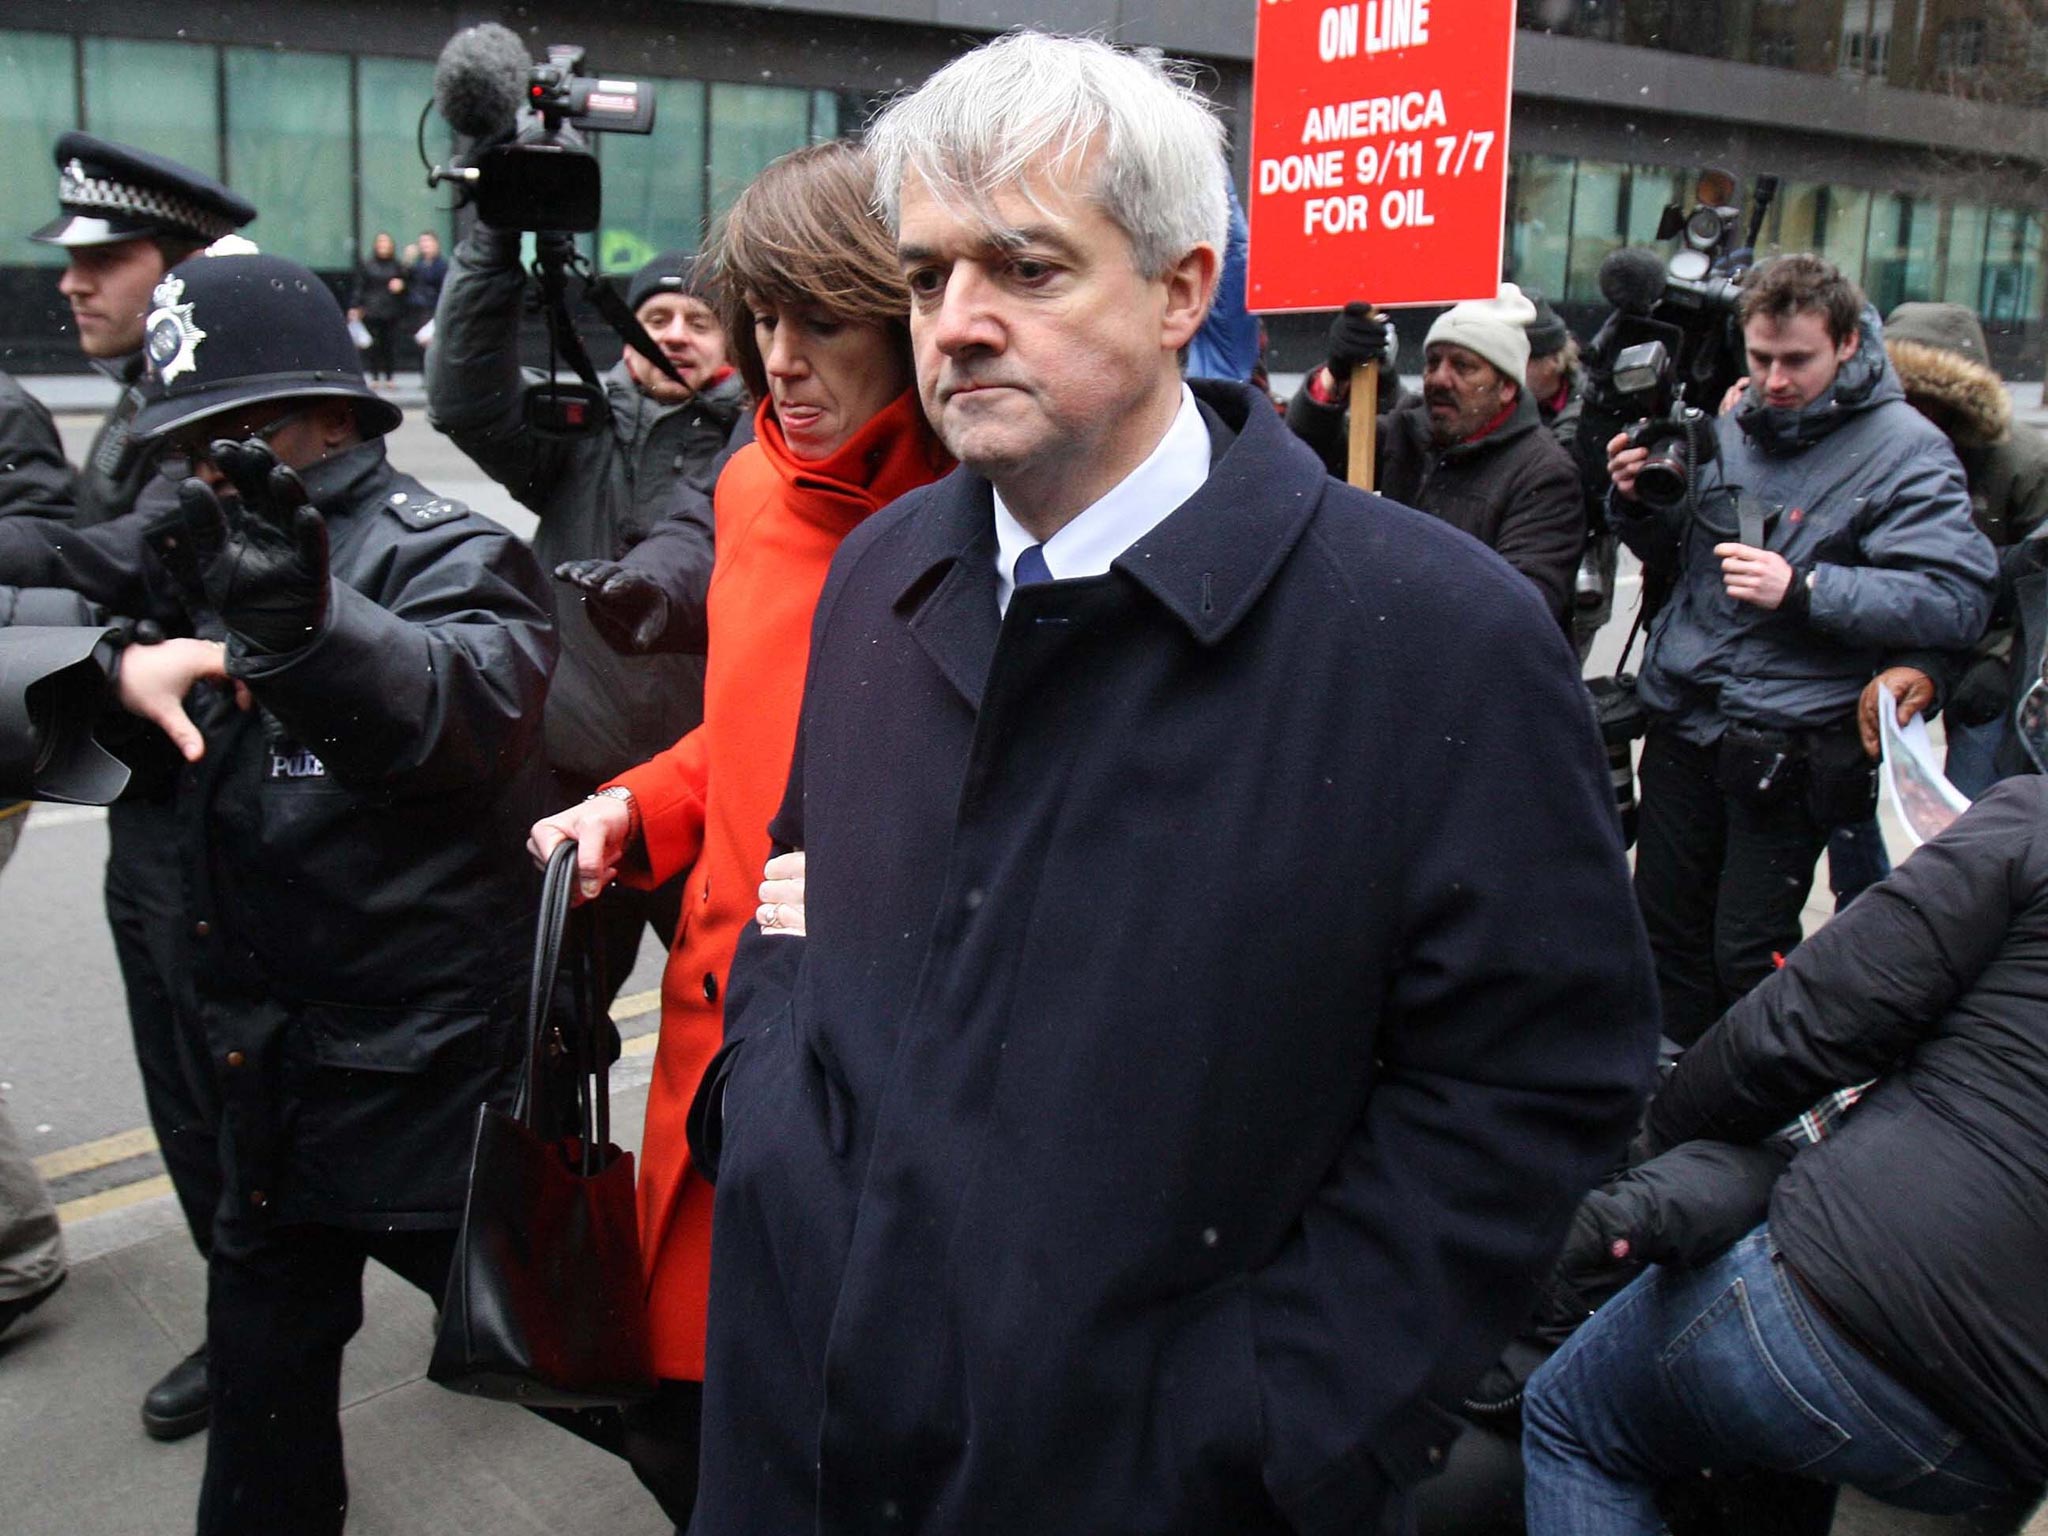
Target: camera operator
[(1471, 449), (650, 469), (1828, 537)]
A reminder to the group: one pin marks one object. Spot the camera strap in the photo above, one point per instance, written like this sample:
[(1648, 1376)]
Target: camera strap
[(605, 297)]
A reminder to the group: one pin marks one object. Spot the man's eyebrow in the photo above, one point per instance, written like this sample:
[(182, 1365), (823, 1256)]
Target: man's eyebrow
[(1005, 238)]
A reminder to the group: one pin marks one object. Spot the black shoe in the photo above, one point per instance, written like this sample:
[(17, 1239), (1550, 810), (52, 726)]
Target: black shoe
[(15, 1308), (181, 1402)]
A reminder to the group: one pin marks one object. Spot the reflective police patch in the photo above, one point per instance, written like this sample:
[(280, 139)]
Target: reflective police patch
[(422, 509), (169, 335), (284, 761)]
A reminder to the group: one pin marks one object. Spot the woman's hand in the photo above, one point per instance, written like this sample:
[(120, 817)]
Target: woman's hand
[(782, 895), (601, 826)]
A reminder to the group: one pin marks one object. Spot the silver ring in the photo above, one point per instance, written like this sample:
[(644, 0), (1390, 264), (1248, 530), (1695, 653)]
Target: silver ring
[(768, 916)]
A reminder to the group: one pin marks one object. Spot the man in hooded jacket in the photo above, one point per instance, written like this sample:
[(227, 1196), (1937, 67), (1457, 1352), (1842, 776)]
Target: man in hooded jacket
[(1944, 365), (1831, 539)]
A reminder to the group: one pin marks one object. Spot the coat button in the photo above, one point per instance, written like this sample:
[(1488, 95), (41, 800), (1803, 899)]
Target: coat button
[(202, 928), (710, 988), (236, 1058), (258, 1199)]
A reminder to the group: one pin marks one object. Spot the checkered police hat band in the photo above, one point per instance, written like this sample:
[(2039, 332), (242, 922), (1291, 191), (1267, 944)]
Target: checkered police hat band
[(94, 194)]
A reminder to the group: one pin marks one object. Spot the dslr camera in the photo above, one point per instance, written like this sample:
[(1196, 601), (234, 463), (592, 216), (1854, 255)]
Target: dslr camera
[(1679, 437)]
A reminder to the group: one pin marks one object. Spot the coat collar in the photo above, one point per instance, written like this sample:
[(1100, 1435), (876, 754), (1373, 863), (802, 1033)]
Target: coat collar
[(1207, 564)]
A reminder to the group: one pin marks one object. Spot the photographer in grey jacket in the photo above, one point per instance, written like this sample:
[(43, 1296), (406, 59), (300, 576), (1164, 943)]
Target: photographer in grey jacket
[(646, 472), (1826, 541)]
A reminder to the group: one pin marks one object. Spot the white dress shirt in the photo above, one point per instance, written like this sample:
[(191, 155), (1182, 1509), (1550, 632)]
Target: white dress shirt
[(1132, 508)]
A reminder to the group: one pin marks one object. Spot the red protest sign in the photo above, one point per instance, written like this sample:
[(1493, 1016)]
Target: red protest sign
[(1379, 151)]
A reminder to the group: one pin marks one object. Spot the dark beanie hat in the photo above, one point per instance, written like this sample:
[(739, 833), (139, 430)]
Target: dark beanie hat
[(677, 271), (1547, 333)]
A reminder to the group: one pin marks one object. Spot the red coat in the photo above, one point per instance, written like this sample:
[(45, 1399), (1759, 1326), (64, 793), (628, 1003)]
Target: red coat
[(705, 803)]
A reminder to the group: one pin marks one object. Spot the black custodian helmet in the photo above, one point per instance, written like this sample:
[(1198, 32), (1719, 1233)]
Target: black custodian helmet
[(111, 192), (227, 331)]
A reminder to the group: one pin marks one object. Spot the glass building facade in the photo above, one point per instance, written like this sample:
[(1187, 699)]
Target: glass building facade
[(328, 145)]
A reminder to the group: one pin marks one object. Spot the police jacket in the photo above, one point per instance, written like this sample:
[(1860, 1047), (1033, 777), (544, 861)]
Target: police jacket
[(1918, 1220), (1514, 489), (358, 893), (118, 475), (1857, 490), (1020, 1229), (596, 497), (35, 477)]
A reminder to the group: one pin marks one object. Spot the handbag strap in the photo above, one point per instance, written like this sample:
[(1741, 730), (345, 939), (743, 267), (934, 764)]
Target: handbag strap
[(555, 884)]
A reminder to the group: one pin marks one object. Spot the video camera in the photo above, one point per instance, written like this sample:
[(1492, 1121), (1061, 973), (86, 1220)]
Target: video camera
[(530, 171), (1662, 360)]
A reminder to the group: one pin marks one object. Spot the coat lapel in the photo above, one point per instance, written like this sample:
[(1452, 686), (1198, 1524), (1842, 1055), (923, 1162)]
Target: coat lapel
[(950, 596)]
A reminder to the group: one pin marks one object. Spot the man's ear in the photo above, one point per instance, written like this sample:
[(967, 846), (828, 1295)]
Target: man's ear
[(1848, 348), (335, 420), (1190, 286)]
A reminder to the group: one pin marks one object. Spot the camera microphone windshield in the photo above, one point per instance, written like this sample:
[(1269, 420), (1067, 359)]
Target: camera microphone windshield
[(1632, 279), (480, 81)]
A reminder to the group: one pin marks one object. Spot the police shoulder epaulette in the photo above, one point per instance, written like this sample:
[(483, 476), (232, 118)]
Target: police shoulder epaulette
[(418, 510)]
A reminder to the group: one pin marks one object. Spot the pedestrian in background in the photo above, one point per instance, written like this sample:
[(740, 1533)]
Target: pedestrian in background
[(380, 305)]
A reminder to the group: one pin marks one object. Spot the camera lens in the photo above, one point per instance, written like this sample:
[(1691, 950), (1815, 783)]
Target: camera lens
[(1661, 480)]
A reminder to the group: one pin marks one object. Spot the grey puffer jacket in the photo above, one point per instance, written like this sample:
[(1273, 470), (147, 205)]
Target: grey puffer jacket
[(596, 497), (1859, 490)]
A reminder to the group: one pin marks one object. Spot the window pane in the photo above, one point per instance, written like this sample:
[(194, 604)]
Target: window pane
[(41, 101), (1652, 189), (1846, 228), (1539, 221), (395, 194), (1597, 209), (288, 130), (1963, 275), (1899, 263), (163, 97), (1796, 216), (2012, 259), (654, 186), (751, 125), (824, 116)]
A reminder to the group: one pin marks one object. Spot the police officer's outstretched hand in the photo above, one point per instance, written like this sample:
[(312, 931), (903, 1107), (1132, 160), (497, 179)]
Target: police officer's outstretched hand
[(625, 605), (262, 552)]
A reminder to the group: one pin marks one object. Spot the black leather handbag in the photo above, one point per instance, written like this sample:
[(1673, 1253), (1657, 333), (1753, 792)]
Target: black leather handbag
[(546, 1303)]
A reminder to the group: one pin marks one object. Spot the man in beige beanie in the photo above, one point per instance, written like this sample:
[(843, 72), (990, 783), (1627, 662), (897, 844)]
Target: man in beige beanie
[(1472, 448)]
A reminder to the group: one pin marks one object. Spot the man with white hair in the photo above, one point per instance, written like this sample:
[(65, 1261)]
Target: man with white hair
[(1202, 1032)]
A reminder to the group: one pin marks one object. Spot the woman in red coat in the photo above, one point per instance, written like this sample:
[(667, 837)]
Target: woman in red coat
[(817, 312)]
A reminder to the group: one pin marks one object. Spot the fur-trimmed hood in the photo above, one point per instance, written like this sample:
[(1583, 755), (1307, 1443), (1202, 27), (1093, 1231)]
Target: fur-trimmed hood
[(1942, 360)]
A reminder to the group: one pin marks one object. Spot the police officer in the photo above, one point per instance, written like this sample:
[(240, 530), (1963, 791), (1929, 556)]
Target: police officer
[(126, 216), (357, 700)]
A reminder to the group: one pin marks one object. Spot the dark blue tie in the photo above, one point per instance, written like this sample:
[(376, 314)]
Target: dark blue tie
[(1031, 567)]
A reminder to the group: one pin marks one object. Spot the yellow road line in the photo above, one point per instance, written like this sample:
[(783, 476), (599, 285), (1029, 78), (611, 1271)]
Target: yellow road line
[(115, 1199), (96, 1154), (89, 1155)]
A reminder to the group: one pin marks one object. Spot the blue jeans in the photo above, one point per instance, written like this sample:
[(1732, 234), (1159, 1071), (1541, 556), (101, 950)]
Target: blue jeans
[(1973, 753), (1727, 1366)]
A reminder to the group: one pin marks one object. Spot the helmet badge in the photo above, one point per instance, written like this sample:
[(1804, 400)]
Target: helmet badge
[(170, 337)]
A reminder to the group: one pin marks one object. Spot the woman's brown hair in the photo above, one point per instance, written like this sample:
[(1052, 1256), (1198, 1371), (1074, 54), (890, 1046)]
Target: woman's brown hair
[(805, 233)]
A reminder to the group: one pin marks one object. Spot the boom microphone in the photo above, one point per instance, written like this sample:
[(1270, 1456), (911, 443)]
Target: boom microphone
[(1632, 279), (480, 80)]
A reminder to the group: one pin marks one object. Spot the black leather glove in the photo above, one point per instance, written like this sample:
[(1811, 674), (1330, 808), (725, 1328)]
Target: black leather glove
[(626, 606), (262, 556), (1357, 336)]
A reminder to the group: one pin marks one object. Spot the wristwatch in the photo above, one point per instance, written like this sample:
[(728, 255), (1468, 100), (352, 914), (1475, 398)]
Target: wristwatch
[(621, 793)]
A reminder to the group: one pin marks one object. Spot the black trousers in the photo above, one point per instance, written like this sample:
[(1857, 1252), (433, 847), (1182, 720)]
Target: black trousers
[(1720, 879), (661, 1441), (145, 910), (381, 356), (281, 1304)]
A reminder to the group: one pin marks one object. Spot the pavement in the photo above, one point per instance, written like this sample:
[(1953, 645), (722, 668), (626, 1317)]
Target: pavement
[(75, 1462)]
